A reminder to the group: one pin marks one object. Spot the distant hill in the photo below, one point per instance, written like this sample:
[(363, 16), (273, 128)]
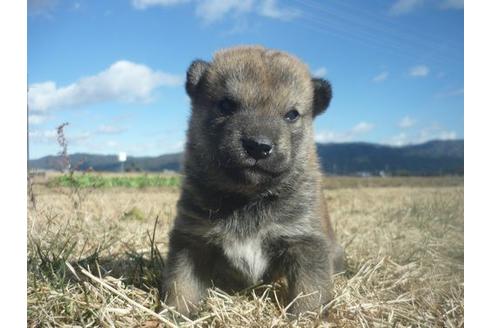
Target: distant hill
[(430, 158), (83, 162)]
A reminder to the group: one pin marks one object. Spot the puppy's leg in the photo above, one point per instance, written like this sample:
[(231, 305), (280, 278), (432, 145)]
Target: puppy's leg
[(338, 258), (184, 283), (309, 268)]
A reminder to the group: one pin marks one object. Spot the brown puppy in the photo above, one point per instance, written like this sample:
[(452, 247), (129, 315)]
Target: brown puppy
[(251, 208)]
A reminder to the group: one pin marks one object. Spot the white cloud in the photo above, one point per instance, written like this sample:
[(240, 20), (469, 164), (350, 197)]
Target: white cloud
[(76, 6), (320, 72), (452, 4), (36, 119), (347, 136), (110, 129), (122, 81), (41, 7), (419, 71), (214, 10), (380, 77), (239, 26), (433, 132), (42, 135), (269, 8), (329, 136), (78, 141), (399, 140), (111, 144), (451, 93), (49, 136), (160, 146), (144, 4), (78, 138), (447, 135), (406, 122), (401, 7), (362, 127)]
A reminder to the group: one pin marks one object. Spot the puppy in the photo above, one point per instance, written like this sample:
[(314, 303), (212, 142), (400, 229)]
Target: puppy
[(251, 208)]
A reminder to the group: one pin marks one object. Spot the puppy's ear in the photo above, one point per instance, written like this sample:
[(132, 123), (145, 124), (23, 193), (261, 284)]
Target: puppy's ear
[(322, 95), (194, 75)]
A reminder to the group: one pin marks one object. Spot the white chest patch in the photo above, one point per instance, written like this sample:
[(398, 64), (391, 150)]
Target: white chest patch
[(247, 256)]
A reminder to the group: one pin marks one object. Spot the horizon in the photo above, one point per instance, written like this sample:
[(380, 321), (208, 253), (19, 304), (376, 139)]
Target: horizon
[(317, 143), (115, 70)]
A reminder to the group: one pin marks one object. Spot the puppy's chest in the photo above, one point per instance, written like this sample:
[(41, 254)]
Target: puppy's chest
[(248, 256)]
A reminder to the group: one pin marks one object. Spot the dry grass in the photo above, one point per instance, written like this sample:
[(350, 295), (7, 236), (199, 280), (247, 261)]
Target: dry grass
[(98, 264)]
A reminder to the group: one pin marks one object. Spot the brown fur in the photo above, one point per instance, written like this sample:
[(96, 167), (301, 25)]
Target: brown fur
[(246, 217)]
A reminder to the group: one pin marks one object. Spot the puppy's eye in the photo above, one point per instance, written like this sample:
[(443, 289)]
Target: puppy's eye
[(292, 115), (227, 106)]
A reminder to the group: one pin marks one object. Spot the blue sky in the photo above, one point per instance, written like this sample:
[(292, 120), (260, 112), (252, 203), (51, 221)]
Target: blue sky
[(115, 69)]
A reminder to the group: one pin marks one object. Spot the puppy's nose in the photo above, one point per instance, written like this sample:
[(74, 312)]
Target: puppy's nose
[(258, 148)]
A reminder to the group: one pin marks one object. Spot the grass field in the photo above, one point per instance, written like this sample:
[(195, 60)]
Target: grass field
[(95, 253)]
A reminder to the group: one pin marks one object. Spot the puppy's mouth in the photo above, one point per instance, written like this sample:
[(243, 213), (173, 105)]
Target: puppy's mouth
[(249, 171), (258, 168)]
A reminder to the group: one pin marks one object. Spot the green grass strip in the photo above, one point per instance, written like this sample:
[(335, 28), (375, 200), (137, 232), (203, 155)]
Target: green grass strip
[(101, 181)]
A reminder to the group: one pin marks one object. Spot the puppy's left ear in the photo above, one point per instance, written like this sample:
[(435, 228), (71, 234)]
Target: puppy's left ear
[(322, 95)]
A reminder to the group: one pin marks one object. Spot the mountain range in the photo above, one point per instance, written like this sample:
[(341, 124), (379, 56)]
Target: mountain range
[(439, 157)]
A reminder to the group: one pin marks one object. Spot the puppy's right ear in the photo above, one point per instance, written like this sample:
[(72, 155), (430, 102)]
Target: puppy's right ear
[(194, 75)]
